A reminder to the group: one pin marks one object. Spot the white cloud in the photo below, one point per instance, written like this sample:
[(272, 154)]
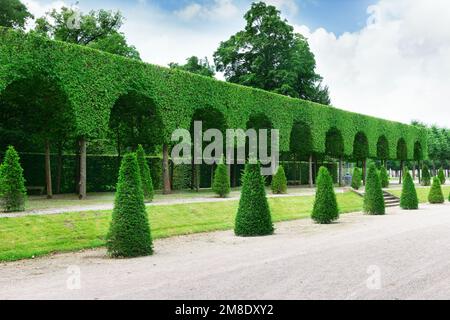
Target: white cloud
[(289, 7), (396, 67), (217, 10)]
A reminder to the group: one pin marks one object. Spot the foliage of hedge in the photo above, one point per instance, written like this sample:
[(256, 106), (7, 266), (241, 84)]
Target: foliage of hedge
[(384, 177), (93, 81), (129, 233), (146, 177), (441, 175), (325, 209), (12, 184)]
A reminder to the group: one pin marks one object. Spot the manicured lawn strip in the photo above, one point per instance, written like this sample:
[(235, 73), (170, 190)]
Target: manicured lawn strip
[(30, 236), (422, 193)]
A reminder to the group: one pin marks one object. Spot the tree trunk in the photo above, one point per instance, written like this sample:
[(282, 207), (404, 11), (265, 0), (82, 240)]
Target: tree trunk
[(418, 172), (83, 169), (364, 165), (166, 168), (340, 173), (401, 172), (311, 182), (77, 171), (48, 170), (414, 171), (59, 169)]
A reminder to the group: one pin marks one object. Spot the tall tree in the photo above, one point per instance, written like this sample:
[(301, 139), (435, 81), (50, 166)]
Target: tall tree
[(196, 65), (13, 14), (268, 55), (97, 29)]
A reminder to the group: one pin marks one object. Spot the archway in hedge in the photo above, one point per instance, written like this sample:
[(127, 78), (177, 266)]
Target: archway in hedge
[(259, 121), (135, 120), (35, 115), (383, 149), (301, 147), (361, 151), (202, 175), (402, 155), (335, 148)]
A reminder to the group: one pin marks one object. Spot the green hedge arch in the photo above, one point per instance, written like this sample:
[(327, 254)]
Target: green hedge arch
[(93, 81)]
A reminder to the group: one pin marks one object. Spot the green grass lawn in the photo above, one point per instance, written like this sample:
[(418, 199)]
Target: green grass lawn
[(422, 193), (30, 236)]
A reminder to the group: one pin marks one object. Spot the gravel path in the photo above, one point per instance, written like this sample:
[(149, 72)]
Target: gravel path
[(403, 255)]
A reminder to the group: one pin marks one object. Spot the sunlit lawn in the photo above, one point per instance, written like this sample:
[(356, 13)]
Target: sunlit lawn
[(422, 193), (37, 235)]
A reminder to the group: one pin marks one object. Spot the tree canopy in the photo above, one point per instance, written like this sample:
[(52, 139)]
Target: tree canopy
[(13, 14), (269, 55), (97, 29), (195, 65)]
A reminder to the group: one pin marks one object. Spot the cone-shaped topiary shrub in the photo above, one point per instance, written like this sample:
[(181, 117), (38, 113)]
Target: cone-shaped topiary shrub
[(325, 209), (129, 233), (373, 197), (146, 177), (384, 177), (279, 182), (12, 184), (357, 178), (436, 196), (441, 176), (426, 177), (253, 217), (409, 200), (221, 184)]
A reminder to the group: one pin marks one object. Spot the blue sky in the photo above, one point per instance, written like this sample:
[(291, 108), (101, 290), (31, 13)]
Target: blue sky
[(386, 58), (337, 16)]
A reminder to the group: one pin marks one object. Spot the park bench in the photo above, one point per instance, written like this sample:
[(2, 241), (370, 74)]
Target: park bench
[(35, 190)]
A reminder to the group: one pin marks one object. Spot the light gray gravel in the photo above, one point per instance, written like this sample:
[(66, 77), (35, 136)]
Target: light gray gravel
[(408, 252)]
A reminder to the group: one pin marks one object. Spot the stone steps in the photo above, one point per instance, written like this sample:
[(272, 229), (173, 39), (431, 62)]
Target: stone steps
[(389, 199)]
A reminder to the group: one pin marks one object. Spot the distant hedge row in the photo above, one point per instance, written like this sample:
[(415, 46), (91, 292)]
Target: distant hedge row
[(103, 170), (94, 81)]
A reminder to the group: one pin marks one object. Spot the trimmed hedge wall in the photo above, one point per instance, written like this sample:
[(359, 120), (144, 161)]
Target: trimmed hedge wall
[(93, 81)]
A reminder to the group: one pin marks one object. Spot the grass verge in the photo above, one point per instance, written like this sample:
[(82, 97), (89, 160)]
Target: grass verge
[(33, 236), (422, 193)]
